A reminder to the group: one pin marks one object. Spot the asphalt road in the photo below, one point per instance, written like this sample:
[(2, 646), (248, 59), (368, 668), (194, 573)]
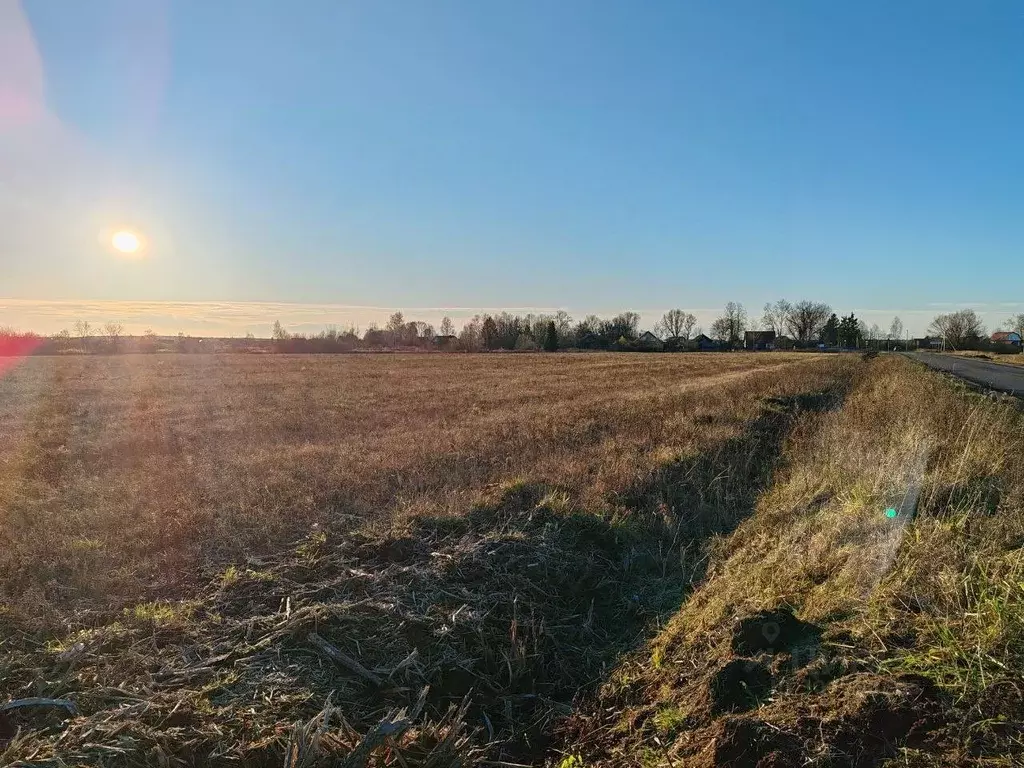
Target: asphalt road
[(999, 376)]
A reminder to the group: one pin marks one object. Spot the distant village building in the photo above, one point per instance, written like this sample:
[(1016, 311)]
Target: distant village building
[(1006, 337), (759, 340), (445, 340), (705, 344), (928, 342), (649, 341)]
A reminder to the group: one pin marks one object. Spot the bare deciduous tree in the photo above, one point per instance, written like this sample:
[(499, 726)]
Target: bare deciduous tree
[(471, 335), (563, 324), (675, 324), (395, 328), (113, 333), (896, 329), (776, 316), (958, 329), (1016, 324), (807, 319), (720, 330), (84, 332), (730, 326), (447, 327)]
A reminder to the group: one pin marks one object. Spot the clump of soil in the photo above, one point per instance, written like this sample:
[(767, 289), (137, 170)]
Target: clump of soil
[(871, 717), (396, 550), (857, 721), (741, 684), (746, 742), (772, 632), (821, 671)]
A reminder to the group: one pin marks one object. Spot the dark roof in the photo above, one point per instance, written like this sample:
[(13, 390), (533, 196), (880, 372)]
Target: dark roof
[(759, 335), (649, 335)]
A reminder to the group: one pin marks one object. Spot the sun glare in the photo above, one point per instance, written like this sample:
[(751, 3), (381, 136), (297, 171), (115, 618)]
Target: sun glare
[(125, 242)]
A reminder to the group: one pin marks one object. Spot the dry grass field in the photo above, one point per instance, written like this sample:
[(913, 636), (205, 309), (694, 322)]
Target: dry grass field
[(123, 478), (433, 560)]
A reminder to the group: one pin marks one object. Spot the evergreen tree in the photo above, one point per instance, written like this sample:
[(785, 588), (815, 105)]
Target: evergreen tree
[(551, 338), (490, 333), (849, 331), (830, 333)]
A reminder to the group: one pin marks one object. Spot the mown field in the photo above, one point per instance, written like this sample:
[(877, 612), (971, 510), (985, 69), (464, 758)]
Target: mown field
[(507, 559), (121, 477)]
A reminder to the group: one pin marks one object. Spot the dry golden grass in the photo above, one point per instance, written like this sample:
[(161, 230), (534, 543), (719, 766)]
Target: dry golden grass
[(496, 527), (120, 476)]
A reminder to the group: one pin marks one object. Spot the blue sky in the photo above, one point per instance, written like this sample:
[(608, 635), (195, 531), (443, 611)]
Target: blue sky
[(594, 156)]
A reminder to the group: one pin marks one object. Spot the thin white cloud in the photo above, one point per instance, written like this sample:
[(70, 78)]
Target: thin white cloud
[(236, 318), (218, 318)]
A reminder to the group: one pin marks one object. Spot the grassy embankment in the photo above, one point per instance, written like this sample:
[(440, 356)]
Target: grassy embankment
[(828, 632)]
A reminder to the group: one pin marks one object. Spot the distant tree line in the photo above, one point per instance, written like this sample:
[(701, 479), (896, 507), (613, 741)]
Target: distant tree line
[(800, 325)]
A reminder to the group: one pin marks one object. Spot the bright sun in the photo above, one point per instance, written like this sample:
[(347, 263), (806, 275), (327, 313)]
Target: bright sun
[(125, 242)]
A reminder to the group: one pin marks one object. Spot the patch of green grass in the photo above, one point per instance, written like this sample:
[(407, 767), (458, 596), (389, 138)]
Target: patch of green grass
[(86, 545), (557, 502), (967, 652), (230, 576), (312, 547), (669, 720), (161, 612), (233, 575), (657, 657)]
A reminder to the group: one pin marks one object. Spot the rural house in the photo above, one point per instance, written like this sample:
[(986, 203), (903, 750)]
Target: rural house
[(759, 340), (649, 341), (705, 344), (1006, 337)]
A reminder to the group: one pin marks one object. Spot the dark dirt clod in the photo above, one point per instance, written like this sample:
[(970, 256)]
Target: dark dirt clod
[(744, 742), (397, 550), (741, 684), (773, 631), (859, 720), (821, 671), (879, 715)]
